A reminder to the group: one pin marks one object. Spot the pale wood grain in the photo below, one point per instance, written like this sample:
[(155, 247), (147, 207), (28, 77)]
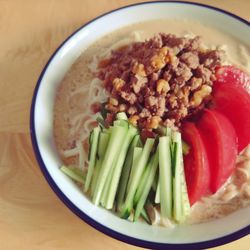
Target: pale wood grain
[(31, 216)]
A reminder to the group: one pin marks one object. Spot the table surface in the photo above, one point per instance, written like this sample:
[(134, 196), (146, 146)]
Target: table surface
[(31, 215)]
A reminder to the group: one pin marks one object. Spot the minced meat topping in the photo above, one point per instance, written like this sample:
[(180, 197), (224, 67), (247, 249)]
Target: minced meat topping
[(160, 81)]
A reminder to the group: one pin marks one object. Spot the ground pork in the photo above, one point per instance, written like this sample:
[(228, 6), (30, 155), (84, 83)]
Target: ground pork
[(160, 81)]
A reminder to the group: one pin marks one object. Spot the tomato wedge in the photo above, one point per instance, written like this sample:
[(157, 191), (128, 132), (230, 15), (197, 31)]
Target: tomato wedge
[(234, 102), (231, 96), (220, 142), (196, 166), (232, 75)]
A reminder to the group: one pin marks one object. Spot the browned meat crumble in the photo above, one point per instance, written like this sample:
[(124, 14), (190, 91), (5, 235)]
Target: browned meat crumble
[(160, 81)]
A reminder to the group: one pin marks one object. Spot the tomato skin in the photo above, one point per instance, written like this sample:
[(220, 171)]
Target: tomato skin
[(220, 142), (231, 75), (196, 166), (234, 102)]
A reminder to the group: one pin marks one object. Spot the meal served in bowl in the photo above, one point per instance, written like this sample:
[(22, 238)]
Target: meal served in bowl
[(152, 122)]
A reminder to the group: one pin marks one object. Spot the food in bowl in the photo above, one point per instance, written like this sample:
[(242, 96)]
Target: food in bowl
[(163, 119)]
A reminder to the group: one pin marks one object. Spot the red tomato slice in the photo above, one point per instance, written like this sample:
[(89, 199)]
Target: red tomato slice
[(195, 163), (234, 102), (232, 75), (220, 142)]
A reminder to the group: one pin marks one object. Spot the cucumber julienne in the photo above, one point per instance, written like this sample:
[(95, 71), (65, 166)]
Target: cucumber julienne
[(126, 172), (123, 172), (93, 151), (165, 175)]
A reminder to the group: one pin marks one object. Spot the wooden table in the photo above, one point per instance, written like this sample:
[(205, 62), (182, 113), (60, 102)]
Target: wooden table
[(31, 215)]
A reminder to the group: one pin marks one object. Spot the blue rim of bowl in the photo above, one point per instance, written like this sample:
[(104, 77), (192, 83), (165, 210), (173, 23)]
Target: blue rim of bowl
[(127, 239)]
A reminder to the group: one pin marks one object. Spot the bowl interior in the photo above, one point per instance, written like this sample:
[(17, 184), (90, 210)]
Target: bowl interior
[(43, 107)]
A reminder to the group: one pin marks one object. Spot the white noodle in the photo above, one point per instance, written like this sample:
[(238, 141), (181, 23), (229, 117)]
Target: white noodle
[(133, 37), (82, 89), (93, 64), (81, 159), (70, 152)]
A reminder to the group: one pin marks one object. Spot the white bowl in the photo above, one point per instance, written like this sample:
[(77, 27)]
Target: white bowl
[(196, 236)]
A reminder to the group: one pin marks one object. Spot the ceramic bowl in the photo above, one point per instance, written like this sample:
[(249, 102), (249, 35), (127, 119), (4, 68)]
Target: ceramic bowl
[(196, 236)]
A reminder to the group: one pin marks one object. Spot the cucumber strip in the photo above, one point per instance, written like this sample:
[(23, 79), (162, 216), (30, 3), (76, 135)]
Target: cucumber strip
[(136, 155), (169, 132), (95, 176), (165, 177), (177, 207), (74, 174), (144, 215), (92, 161), (125, 172), (107, 130), (140, 144), (106, 188), (90, 143), (102, 146), (157, 193), (118, 167), (117, 136), (143, 159), (122, 123), (153, 165), (78, 171), (186, 209), (141, 184), (121, 116), (173, 155)]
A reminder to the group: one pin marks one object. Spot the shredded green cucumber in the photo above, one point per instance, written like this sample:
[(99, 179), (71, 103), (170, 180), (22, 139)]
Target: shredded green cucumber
[(177, 206), (181, 201), (102, 146), (93, 153), (143, 159), (95, 176), (157, 193), (90, 143), (121, 116), (141, 184), (103, 142), (136, 156), (153, 165), (117, 135), (165, 177), (104, 195), (75, 174), (186, 208), (145, 216), (122, 123), (125, 173), (118, 166)]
